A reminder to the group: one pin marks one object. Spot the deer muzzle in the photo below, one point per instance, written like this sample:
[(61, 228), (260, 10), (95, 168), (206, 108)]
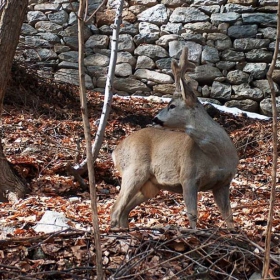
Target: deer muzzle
[(156, 120)]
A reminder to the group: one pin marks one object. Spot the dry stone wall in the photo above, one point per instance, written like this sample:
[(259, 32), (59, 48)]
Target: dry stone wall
[(230, 41)]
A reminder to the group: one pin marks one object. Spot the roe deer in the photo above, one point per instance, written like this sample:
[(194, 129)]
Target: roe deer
[(200, 159)]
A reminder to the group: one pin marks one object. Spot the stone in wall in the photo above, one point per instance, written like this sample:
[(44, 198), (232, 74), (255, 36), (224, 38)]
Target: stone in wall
[(268, 32), (187, 15), (50, 37), (206, 74), (271, 46), (231, 7), (164, 40), (245, 91), (47, 26), (164, 89), (36, 42), (201, 27), (246, 105), (173, 3), (266, 107), (97, 71), (41, 54), (147, 3), (220, 91), (128, 28), (244, 2), (148, 33), (232, 55), (194, 54), (153, 76), (59, 17), (97, 60), (71, 76), (208, 2), (237, 77), (126, 43), (264, 19), (164, 63), (221, 41), (70, 56), (157, 15), (123, 57), (105, 18), (247, 44), (264, 87), (243, 31), (69, 7), (27, 29), (225, 65), (35, 16), (230, 17), (130, 85), (152, 51), (97, 41), (260, 55), (68, 65), (123, 70), (47, 7), (276, 76), (209, 55), (196, 38), (208, 10), (175, 28), (144, 62), (256, 70)]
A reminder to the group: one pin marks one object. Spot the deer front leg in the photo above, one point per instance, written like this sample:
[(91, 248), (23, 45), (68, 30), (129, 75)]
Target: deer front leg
[(221, 197), (190, 198)]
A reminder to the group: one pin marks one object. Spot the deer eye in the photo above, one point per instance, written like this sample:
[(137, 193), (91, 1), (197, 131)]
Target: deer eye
[(172, 106)]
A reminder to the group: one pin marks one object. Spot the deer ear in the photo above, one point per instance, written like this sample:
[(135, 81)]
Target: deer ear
[(188, 94)]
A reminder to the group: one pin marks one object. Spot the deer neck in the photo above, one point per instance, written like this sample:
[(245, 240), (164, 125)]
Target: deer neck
[(206, 133)]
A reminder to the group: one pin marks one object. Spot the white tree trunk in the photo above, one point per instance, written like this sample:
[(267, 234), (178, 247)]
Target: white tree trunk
[(108, 89)]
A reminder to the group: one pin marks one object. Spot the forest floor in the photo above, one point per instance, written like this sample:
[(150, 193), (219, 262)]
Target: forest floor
[(42, 133)]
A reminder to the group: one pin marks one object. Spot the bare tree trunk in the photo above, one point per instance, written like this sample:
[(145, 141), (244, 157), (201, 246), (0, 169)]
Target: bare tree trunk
[(12, 13), (108, 89), (274, 162), (84, 109)]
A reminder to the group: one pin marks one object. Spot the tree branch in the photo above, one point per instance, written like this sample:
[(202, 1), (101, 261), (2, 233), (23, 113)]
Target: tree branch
[(274, 161), (84, 110)]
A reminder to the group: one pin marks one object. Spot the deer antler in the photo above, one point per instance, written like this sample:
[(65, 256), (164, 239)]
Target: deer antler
[(179, 70)]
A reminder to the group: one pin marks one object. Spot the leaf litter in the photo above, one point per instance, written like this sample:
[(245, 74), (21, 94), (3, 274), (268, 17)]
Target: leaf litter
[(42, 132)]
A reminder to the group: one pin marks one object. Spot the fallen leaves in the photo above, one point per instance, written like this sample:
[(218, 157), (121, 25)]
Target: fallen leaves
[(41, 139)]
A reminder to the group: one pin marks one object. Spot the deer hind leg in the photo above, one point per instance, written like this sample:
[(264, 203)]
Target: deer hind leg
[(221, 197), (135, 201), (132, 182), (190, 198), (148, 190)]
